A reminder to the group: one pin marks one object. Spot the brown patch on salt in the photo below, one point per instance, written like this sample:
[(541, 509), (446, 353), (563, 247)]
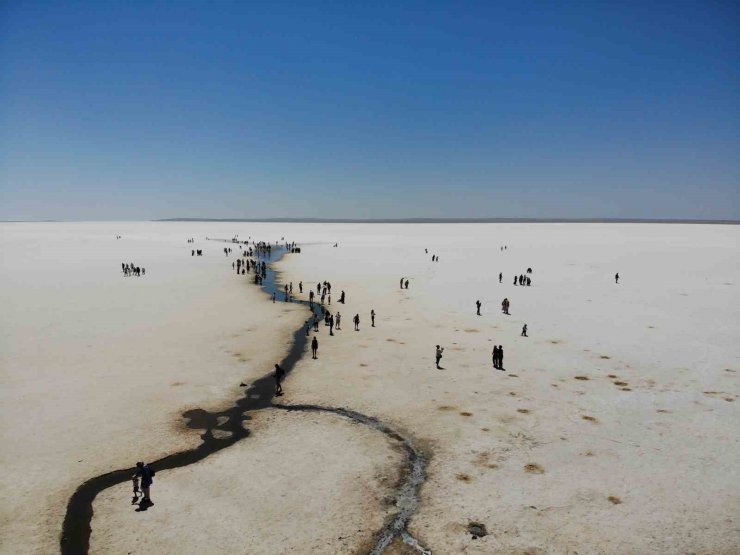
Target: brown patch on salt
[(512, 393), (175, 384), (464, 477), (729, 399), (625, 388), (588, 454), (485, 429), (464, 413), (391, 340), (363, 364), (589, 418), (534, 468), (555, 341), (605, 357), (612, 376), (512, 375), (614, 499), (523, 411), (662, 410), (471, 330), (446, 407), (621, 384), (582, 378)]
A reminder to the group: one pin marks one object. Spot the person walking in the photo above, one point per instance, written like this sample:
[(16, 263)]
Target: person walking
[(315, 348), (331, 324), (477, 306), (146, 475), (500, 276), (279, 375), (356, 320), (524, 331), (494, 356), (372, 317), (616, 277), (438, 354), (500, 357)]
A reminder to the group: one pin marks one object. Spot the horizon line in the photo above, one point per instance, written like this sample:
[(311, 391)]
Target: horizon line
[(415, 220)]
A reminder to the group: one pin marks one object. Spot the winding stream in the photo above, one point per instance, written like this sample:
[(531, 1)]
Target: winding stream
[(76, 528)]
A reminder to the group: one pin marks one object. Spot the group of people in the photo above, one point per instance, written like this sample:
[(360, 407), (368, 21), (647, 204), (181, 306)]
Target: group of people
[(132, 270)]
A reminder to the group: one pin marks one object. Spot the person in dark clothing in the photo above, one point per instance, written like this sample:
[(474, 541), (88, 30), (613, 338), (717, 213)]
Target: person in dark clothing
[(438, 354), (524, 330), (300, 287), (356, 320), (331, 324), (279, 375), (616, 277), (146, 475), (372, 317), (341, 298), (477, 306), (315, 348), (500, 276), (401, 283), (500, 357), (494, 356), (515, 280), (407, 284)]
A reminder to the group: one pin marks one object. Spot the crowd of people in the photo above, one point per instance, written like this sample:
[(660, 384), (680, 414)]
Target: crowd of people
[(132, 269)]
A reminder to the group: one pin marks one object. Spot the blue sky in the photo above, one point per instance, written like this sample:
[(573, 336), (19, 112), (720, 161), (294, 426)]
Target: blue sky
[(144, 110)]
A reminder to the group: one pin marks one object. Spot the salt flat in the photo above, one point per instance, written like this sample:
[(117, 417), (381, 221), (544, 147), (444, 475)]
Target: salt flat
[(614, 428)]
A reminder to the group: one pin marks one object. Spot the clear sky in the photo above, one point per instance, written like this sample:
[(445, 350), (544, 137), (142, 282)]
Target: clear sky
[(145, 110)]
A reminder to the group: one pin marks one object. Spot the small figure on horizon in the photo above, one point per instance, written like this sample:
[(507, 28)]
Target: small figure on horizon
[(339, 321), (616, 277), (341, 298), (372, 317), (300, 287), (500, 276), (524, 330), (356, 320), (438, 354), (407, 284), (505, 306), (477, 306), (315, 348)]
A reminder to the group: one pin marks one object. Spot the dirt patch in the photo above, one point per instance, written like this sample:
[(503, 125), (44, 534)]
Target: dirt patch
[(626, 388), (477, 530), (176, 384), (523, 411), (555, 341), (604, 357), (662, 410), (464, 413), (612, 376), (512, 375), (391, 340), (621, 384), (590, 418), (485, 429), (512, 393), (363, 364), (584, 378), (464, 477), (446, 407), (533, 468), (614, 499)]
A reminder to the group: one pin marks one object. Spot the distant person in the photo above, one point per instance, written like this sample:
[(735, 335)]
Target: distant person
[(515, 280), (341, 298), (407, 284), (494, 356), (331, 324), (401, 284), (300, 286), (616, 277), (339, 321), (524, 330), (505, 306), (315, 348), (279, 374), (500, 357), (372, 317), (438, 354), (146, 475), (273, 296), (477, 306), (500, 276), (356, 320)]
